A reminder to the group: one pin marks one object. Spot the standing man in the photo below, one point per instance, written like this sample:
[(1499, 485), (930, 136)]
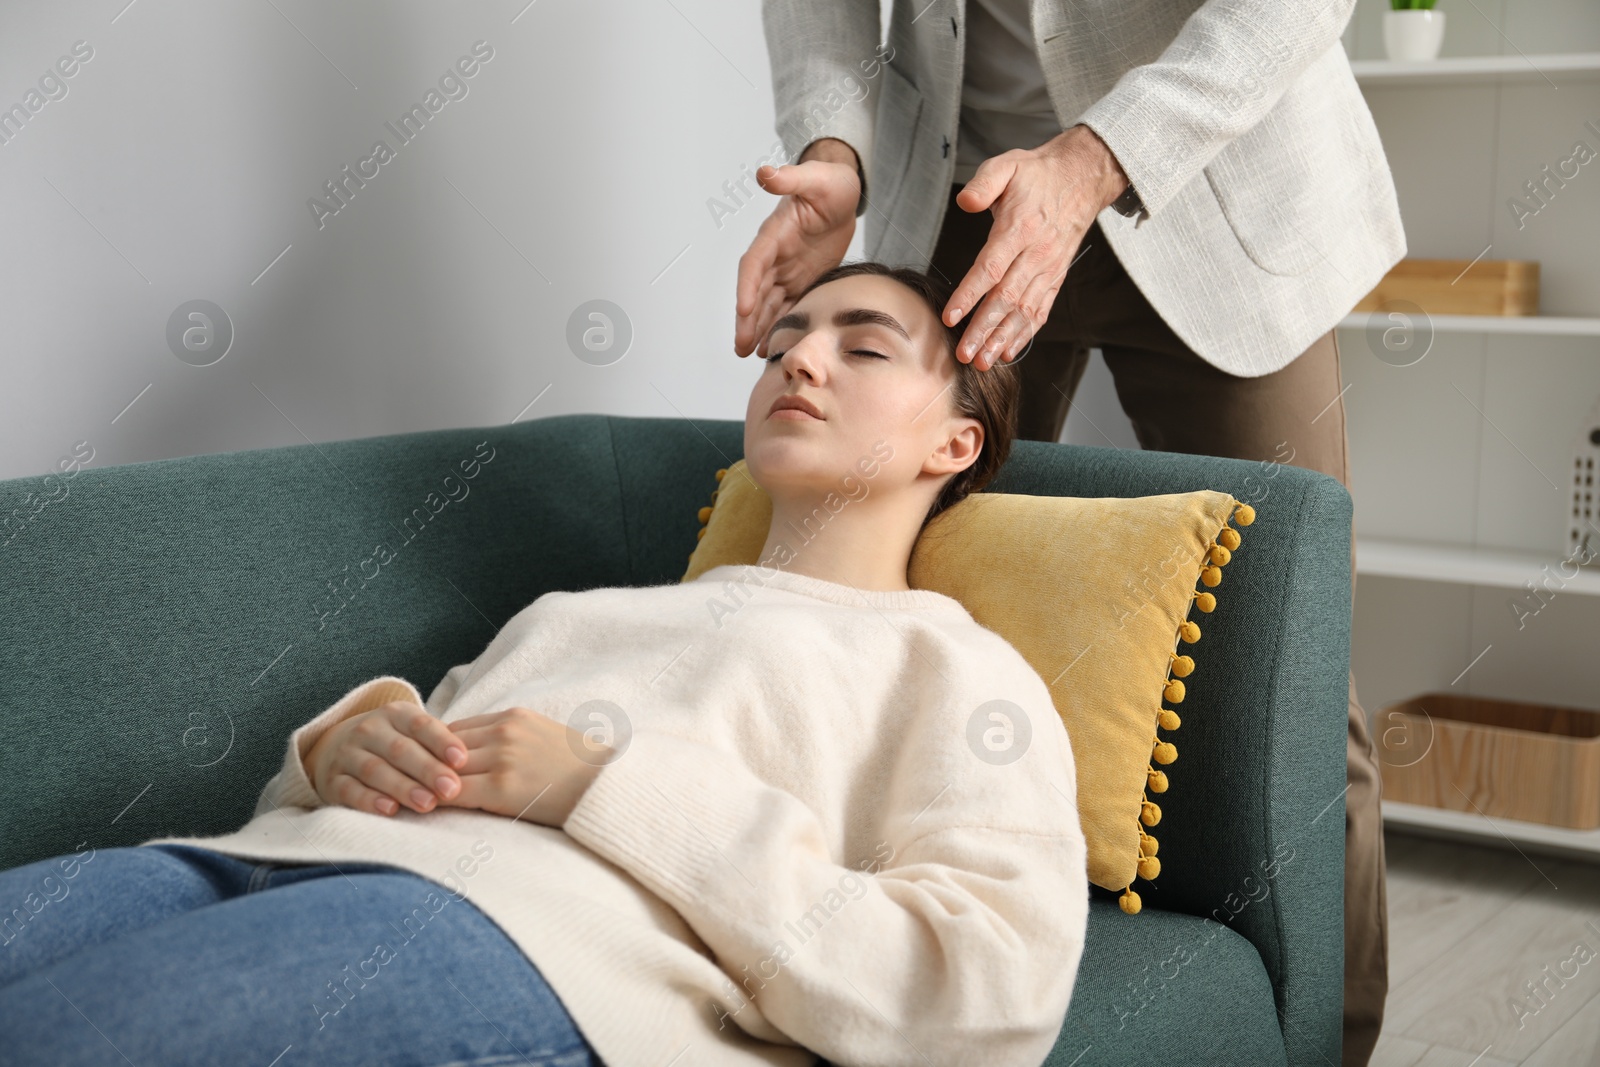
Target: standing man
[(1208, 170)]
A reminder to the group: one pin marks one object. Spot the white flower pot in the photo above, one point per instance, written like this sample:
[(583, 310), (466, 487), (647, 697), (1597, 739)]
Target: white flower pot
[(1413, 34)]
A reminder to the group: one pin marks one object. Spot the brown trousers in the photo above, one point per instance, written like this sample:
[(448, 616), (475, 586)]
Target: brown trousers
[(1177, 402)]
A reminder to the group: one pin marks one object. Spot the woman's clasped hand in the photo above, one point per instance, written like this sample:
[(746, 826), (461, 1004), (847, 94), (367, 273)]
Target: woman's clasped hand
[(516, 763)]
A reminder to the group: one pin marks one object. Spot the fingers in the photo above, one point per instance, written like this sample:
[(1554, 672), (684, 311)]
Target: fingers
[(1041, 298), (367, 781), (994, 260), (352, 794), (430, 733), (387, 756), (1014, 307), (775, 304), (1017, 331), (988, 182), (755, 278)]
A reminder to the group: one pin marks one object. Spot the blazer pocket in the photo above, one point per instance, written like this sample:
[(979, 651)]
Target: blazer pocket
[(1266, 200), (899, 111)]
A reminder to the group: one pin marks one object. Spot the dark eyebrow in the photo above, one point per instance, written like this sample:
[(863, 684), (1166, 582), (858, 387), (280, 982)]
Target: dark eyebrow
[(799, 320)]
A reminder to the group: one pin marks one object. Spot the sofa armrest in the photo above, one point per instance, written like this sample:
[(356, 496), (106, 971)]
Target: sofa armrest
[(1254, 834)]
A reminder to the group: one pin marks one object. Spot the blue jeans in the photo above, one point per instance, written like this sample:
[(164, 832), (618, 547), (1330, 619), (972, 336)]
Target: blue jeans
[(170, 954)]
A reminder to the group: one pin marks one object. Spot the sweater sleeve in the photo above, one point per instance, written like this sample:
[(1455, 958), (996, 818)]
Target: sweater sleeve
[(291, 787), (963, 947), (1225, 70)]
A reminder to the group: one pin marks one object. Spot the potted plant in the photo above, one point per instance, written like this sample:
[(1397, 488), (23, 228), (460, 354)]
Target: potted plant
[(1412, 30)]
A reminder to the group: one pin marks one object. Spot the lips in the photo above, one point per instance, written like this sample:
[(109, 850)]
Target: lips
[(794, 402)]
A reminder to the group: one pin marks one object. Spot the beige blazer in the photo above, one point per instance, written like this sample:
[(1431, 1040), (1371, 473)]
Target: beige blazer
[(1271, 207)]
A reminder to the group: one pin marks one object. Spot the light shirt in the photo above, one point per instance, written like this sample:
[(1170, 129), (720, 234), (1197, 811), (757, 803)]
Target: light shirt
[(1004, 104)]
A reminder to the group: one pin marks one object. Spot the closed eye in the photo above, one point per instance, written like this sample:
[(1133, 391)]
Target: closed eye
[(775, 356)]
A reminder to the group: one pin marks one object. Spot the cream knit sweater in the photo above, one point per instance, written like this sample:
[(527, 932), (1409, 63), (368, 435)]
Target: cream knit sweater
[(818, 835)]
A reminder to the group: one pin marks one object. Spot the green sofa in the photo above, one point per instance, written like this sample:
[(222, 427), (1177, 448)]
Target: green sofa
[(164, 625)]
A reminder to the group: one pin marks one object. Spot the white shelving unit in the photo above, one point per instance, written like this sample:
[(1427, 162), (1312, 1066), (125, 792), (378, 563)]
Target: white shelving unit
[(1496, 567), (1417, 142), (1461, 69), (1549, 325)]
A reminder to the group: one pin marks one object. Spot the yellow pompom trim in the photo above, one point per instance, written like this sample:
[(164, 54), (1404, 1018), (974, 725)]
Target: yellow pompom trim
[(704, 513), (1219, 552)]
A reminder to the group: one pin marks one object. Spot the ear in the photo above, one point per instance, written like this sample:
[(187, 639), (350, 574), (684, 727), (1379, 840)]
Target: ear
[(960, 449)]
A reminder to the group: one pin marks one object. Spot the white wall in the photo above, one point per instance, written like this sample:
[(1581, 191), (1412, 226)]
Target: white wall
[(179, 163)]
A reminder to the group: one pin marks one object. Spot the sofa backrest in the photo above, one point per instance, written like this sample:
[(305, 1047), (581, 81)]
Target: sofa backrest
[(163, 625)]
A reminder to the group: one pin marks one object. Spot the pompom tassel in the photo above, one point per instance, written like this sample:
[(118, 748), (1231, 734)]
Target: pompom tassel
[(1129, 900)]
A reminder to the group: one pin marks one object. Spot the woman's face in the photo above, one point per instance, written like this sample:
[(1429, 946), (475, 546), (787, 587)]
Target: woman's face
[(869, 356)]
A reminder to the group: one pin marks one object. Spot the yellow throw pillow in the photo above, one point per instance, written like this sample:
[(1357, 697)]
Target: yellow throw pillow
[(1095, 595)]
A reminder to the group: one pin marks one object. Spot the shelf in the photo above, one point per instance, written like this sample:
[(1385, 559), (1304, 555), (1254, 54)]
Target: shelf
[(1501, 567), (1458, 69), (1547, 325), (1487, 830)]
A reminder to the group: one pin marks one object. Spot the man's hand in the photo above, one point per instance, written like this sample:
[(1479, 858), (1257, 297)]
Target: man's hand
[(525, 765), (807, 233), (1043, 199), (392, 755)]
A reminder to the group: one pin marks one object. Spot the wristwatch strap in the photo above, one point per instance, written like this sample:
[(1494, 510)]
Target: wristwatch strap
[(1130, 204)]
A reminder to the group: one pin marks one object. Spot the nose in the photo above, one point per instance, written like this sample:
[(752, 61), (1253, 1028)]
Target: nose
[(803, 358)]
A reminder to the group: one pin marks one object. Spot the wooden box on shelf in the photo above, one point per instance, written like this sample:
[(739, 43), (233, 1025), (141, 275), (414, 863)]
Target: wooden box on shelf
[(1531, 762), (1460, 287)]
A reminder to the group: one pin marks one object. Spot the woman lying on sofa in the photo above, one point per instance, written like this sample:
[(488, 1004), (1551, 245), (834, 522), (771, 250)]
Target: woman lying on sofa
[(782, 825)]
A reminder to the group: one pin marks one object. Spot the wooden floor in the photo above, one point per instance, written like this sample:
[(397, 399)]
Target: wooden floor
[(1494, 957)]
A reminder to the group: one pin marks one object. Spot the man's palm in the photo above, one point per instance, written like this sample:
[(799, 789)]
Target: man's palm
[(807, 233)]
